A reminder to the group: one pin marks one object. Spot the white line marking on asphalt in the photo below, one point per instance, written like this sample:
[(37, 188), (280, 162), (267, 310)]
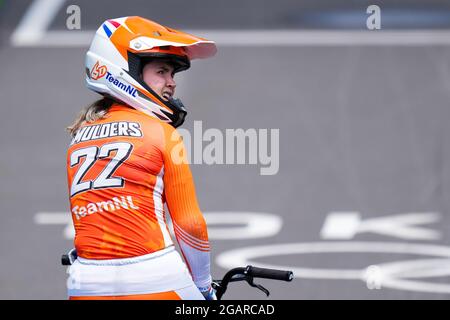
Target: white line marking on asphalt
[(408, 226), (268, 38), (55, 218), (401, 275), (251, 224), (52, 218), (35, 21)]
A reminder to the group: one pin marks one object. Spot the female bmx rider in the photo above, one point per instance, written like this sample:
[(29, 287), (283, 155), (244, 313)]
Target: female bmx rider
[(126, 160)]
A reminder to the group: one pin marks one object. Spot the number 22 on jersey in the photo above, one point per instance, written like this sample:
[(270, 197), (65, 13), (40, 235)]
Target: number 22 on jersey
[(92, 154)]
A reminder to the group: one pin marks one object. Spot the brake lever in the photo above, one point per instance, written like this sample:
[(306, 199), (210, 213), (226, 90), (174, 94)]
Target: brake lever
[(216, 284), (250, 281)]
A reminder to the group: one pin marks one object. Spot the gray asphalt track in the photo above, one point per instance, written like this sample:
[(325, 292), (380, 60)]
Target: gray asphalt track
[(361, 129)]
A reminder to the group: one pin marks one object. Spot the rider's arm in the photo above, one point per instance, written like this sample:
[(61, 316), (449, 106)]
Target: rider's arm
[(188, 221)]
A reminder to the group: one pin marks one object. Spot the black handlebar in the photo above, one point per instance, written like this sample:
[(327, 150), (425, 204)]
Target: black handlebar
[(65, 261), (270, 273), (248, 274)]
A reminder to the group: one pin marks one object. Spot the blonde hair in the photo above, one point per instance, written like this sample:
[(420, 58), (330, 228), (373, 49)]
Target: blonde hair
[(95, 111)]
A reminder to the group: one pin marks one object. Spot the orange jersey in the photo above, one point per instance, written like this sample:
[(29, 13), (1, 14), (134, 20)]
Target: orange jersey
[(121, 170)]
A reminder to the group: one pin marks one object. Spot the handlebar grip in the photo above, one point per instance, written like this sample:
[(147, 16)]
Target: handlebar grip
[(269, 273), (65, 260)]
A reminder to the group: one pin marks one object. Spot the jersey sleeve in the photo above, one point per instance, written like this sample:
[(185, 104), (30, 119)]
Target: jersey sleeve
[(187, 219)]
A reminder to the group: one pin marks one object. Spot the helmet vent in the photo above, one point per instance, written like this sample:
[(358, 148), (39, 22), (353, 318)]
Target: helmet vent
[(156, 34)]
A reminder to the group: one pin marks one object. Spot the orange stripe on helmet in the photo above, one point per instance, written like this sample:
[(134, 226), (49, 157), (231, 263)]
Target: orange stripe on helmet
[(121, 39)]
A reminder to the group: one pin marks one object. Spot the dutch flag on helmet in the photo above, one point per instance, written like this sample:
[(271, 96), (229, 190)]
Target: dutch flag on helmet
[(110, 26)]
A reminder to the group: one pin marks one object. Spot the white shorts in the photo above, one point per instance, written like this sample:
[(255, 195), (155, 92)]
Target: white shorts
[(157, 272)]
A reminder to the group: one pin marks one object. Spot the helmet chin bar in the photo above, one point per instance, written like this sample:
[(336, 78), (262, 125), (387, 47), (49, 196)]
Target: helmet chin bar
[(181, 111)]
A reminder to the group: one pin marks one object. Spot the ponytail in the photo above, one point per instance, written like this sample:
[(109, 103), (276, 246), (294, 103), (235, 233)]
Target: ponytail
[(95, 111)]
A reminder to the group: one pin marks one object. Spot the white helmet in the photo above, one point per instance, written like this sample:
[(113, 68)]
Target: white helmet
[(117, 56)]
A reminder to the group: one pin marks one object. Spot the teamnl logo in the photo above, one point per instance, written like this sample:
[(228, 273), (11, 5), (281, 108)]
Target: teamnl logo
[(129, 89), (99, 71), (230, 146)]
